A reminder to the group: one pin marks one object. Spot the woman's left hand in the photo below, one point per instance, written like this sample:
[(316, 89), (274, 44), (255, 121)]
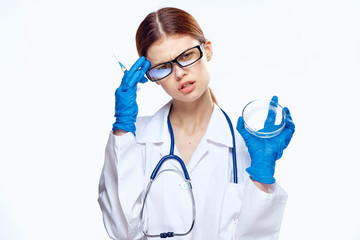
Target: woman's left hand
[(265, 151)]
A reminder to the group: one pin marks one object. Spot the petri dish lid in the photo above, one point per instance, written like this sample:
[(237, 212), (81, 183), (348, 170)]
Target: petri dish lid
[(264, 118)]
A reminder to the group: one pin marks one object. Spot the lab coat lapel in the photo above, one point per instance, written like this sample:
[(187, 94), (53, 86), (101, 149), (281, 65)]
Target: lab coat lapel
[(156, 131), (199, 153), (217, 132)]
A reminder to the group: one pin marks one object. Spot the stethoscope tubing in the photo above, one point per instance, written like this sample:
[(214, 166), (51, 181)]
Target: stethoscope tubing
[(172, 156), (233, 148), (169, 234), (164, 159)]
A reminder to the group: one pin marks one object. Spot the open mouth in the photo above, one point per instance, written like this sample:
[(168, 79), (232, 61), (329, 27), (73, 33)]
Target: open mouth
[(186, 85)]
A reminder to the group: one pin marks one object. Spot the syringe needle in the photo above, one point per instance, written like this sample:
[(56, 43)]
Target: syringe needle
[(123, 68)]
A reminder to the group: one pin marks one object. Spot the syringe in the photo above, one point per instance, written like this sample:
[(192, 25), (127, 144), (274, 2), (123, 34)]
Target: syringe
[(123, 68)]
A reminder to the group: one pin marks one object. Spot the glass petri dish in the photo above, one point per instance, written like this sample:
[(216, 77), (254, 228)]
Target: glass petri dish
[(264, 118)]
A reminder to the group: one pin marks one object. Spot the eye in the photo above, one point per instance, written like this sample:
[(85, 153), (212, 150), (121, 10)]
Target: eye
[(163, 66), (186, 55)]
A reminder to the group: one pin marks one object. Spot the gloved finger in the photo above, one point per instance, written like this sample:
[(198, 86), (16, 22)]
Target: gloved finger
[(289, 122), (243, 132), (137, 64), (288, 119), (128, 76), (139, 73), (128, 80), (240, 124), (287, 111), (143, 80), (270, 119), (275, 99), (125, 79), (288, 131)]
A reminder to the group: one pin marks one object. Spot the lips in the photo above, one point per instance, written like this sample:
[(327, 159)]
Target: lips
[(187, 87), (186, 84)]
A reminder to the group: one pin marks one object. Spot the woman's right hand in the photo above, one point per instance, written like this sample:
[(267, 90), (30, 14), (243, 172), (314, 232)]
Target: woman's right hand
[(126, 108)]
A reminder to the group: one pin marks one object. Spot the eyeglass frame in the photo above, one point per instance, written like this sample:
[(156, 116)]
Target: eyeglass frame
[(200, 47)]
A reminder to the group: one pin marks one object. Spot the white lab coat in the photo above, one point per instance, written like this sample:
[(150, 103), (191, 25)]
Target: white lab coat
[(224, 210)]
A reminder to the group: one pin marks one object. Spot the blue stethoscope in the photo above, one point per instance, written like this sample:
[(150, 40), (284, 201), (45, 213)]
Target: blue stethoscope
[(172, 156)]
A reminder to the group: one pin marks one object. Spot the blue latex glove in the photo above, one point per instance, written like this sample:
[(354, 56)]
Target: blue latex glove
[(265, 151), (126, 108)]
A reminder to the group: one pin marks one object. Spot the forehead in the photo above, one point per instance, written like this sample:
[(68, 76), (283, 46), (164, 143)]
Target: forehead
[(169, 47)]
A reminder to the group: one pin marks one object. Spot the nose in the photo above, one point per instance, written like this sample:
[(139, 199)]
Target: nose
[(179, 72)]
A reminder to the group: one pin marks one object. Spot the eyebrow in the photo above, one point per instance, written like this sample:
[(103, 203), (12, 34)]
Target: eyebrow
[(173, 58)]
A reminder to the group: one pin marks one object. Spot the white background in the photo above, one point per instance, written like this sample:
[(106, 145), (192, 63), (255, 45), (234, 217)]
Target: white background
[(58, 77)]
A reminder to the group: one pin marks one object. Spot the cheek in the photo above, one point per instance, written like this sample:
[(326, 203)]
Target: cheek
[(205, 73), (167, 87)]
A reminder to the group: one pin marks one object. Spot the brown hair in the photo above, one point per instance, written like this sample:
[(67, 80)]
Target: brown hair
[(167, 21)]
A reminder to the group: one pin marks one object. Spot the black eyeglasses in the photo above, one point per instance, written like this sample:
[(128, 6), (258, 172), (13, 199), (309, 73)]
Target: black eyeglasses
[(186, 58)]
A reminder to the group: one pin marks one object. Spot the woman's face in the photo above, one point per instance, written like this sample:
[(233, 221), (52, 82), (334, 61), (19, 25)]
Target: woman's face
[(183, 84)]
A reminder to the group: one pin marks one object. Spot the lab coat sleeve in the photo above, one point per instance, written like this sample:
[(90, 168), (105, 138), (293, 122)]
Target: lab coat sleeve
[(260, 213), (121, 187)]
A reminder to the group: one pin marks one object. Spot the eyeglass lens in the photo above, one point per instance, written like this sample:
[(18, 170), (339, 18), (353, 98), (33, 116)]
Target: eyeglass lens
[(185, 59)]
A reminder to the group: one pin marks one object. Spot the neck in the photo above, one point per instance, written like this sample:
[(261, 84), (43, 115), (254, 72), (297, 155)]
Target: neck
[(192, 116)]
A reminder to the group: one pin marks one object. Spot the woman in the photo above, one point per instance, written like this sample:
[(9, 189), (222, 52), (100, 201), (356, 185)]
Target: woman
[(175, 54)]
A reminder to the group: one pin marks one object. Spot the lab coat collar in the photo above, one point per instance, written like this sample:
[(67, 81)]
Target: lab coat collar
[(156, 130), (218, 130)]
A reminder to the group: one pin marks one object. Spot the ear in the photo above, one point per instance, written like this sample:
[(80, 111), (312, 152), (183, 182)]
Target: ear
[(208, 50)]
